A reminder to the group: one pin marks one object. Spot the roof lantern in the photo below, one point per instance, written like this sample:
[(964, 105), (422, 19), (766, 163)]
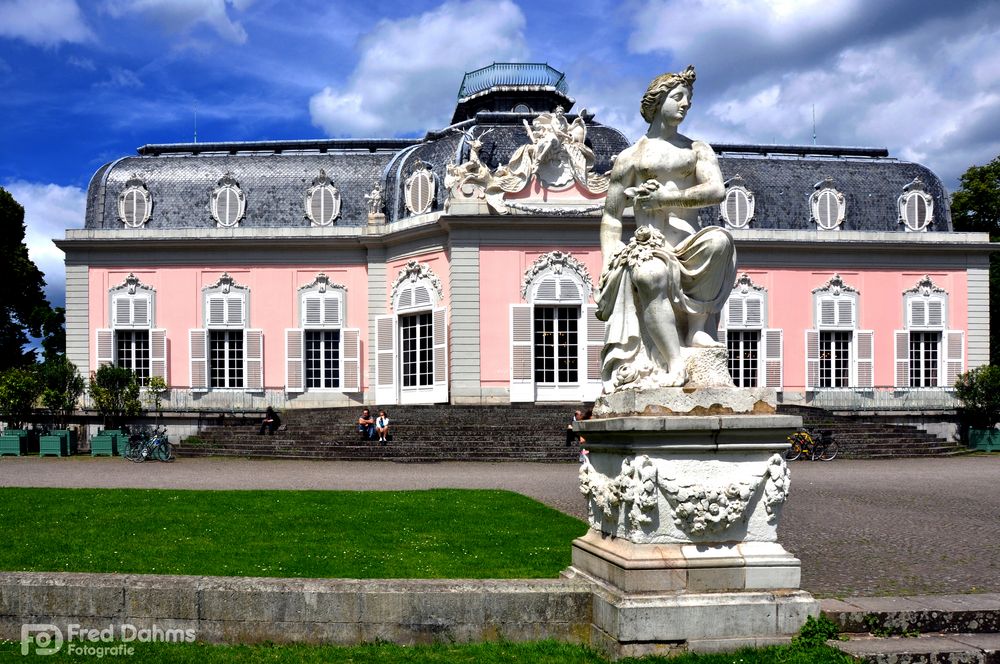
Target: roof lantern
[(518, 87)]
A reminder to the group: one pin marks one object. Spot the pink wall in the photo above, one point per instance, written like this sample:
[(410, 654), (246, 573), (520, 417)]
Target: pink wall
[(880, 308), (501, 270), (273, 307)]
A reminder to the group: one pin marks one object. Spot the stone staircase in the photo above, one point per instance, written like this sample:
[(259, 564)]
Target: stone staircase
[(871, 438), (522, 432), (946, 629)]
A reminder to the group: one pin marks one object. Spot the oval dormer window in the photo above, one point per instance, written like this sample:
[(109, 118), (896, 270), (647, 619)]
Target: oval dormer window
[(134, 204), (916, 207), (228, 203), (420, 189), (827, 205), (322, 201), (738, 206)]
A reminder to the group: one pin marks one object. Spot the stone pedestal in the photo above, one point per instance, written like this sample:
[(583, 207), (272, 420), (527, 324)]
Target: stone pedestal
[(376, 219), (684, 509)]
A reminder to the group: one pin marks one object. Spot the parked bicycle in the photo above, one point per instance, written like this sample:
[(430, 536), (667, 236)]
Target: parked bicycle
[(816, 447), (146, 443)]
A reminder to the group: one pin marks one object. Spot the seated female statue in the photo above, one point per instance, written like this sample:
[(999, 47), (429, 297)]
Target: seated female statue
[(662, 290)]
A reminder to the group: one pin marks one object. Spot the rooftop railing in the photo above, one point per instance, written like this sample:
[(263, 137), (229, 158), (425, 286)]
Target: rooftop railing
[(512, 73)]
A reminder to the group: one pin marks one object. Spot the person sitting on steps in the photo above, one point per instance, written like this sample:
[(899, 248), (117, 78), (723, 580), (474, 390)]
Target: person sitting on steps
[(366, 425), (270, 423), (382, 427)]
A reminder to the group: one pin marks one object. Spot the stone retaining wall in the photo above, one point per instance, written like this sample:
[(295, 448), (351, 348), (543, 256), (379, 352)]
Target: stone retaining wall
[(338, 611)]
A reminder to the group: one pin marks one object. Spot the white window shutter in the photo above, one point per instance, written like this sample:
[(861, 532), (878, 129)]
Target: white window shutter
[(216, 314), (902, 355), (954, 354), (568, 291), (405, 299), (158, 354), (547, 290), (350, 353), (918, 313), (385, 360), (522, 373), (935, 313), (235, 311), (439, 318), (736, 312), (846, 313), (253, 358), (773, 354), (294, 362), (421, 296), (121, 311), (864, 358), (312, 311), (140, 311), (720, 336), (812, 359), (198, 344), (593, 347), (331, 310), (827, 313), (104, 340), (754, 312)]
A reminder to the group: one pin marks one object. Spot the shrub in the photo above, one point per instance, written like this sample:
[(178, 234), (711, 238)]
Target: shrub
[(154, 392), (816, 632), (115, 392), (979, 391), (19, 389), (62, 387)]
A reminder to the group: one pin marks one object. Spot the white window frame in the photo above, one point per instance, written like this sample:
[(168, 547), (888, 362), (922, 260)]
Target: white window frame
[(322, 307), (925, 309), (735, 189), (747, 309), (134, 188), (824, 194), (321, 185), (232, 301), (913, 192), (123, 303), (836, 308), (226, 185)]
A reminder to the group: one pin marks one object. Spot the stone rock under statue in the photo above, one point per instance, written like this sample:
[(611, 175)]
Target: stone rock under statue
[(685, 477)]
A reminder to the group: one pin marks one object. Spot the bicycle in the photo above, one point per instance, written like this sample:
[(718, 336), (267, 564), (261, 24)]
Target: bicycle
[(815, 448), (148, 444)]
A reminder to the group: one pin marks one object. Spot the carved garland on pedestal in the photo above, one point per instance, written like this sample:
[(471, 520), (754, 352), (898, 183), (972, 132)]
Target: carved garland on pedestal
[(698, 509), (556, 261), (413, 272)]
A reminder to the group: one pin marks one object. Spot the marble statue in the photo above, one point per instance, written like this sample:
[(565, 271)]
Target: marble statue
[(662, 291), (375, 200)]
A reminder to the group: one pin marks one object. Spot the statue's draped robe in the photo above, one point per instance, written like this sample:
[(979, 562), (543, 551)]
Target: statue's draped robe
[(701, 271)]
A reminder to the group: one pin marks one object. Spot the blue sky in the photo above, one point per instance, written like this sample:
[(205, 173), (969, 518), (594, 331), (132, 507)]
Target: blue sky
[(86, 81)]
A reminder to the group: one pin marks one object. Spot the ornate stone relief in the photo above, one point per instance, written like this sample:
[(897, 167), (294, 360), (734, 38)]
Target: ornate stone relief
[(413, 272), (557, 156), (322, 203), (828, 205), (925, 287), (225, 284), (745, 284), (697, 508), (321, 284), (556, 261), (132, 285), (835, 286)]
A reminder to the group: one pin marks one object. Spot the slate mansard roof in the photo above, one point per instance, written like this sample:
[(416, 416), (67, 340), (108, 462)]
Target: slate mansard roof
[(275, 175)]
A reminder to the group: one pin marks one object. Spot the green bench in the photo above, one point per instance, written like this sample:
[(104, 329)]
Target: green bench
[(14, 442), (107, 442), (986, 440), (59, 442)]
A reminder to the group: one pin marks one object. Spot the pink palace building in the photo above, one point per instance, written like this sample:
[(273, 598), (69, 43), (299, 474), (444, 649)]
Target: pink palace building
[(460, 267)]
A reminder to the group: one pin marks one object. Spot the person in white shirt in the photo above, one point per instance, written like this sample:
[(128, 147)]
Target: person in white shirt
[(382, 426)]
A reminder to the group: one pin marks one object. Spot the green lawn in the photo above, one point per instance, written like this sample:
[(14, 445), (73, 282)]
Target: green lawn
[(545, 652), (320, 534)]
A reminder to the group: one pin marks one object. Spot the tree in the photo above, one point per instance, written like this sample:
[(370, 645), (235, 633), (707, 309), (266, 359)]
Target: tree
[(23, 307), (19, 389), (115, 392), (62, 387), (976, 207), (979, 392)]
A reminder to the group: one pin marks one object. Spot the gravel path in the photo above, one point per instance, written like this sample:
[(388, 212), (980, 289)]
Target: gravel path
[(900, 527)]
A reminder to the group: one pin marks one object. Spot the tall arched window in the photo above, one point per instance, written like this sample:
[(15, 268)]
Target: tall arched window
[(133, 341), (556, 338), (322, 353), (927, 353), (755, 351), (226, 353), (838, 355), (412, 342)]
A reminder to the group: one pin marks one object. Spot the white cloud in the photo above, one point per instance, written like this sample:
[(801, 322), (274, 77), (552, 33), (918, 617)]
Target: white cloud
[(183, 15), (409, 69), (119, 77), (81, 63), (49, 209), (44, 23)]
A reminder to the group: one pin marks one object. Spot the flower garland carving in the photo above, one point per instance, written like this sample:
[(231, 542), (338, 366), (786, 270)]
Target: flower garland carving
[(413, 272)]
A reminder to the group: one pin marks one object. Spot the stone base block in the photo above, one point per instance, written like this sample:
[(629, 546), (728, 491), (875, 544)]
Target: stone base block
[(630, 567), (688, 401), (633, 625)]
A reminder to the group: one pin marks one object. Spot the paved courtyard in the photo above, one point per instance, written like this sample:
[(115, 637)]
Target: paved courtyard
[(901, 527)]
